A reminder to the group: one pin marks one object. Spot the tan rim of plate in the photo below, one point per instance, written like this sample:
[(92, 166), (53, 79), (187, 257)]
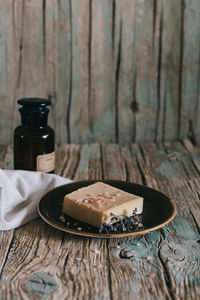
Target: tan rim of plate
[(110, 235)]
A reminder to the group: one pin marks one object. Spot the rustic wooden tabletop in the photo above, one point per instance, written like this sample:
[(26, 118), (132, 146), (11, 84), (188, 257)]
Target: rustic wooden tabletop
[(40, 262)]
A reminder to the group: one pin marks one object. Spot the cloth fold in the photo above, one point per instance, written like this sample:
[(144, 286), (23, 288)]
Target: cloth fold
[(20, 193)]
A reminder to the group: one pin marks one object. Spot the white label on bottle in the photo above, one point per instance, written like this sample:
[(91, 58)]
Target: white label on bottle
[(46, 162)]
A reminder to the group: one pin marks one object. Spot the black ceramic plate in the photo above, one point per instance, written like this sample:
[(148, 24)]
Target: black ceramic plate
[(158, 209)]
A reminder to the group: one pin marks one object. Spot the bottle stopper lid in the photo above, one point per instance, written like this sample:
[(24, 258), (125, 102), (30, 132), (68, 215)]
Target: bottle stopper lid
[(34, 104)]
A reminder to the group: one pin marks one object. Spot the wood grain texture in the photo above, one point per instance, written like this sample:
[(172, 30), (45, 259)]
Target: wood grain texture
[(40, 262), (125, 274), (116, 70), (101, 80), (190, 74), (77, 265), (58, 61), (5, 237), (169, 77), (182, 245)]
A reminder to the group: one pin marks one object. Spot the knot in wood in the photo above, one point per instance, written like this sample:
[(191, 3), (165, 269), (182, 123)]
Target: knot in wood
[(134, 106), (174, 252), (126, 254)]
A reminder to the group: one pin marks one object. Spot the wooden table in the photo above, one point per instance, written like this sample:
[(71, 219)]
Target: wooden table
[(40, 262)]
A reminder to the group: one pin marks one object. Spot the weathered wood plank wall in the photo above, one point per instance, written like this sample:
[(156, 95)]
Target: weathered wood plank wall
[(115, 70)]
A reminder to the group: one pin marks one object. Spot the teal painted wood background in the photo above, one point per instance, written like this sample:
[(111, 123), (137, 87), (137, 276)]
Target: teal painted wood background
[(115, 70)]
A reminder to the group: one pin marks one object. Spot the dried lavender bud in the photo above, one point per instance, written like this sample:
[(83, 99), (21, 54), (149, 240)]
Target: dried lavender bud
[(111, 227), (117, 226), (131, 220), (101, 229), (125, 220), (122, 223), (106, 230), (134, 213), (113, 219)]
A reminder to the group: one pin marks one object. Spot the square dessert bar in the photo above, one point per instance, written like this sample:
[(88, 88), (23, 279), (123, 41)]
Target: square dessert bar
[(94, 203)]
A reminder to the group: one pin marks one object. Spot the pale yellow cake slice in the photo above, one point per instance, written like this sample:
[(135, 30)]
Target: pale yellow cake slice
[(94, 203)]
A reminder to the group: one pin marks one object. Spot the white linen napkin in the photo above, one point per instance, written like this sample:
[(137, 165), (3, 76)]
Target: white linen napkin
[(20, 193)]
